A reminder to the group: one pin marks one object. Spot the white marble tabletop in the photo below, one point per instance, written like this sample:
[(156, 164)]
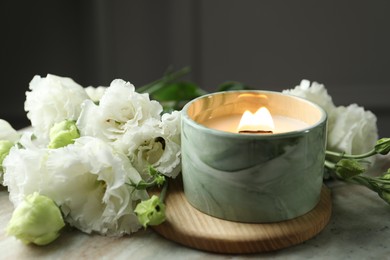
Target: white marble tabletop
[(358, 229)]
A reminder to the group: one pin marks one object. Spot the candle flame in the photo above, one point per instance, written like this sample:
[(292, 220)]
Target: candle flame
[(259, 121)]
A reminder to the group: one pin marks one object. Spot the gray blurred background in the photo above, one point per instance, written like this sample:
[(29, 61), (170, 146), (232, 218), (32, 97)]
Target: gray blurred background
[(270, 44)]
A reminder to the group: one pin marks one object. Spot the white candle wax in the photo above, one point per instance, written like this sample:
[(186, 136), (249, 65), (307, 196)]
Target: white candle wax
[(229, 123)]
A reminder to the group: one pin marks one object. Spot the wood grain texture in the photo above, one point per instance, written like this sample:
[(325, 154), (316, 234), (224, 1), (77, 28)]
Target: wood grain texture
[(190, 227)]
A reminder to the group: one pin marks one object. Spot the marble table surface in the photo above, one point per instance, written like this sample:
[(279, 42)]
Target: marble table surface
[(359, 228)]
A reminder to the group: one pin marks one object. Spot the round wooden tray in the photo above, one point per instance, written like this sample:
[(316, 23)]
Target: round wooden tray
[(188, 226)]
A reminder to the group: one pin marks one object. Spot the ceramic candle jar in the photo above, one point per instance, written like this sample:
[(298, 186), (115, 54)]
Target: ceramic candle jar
[(253, 177)]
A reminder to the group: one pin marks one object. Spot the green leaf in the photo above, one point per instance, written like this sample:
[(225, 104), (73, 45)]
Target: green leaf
[(169, 77), (178, 91)]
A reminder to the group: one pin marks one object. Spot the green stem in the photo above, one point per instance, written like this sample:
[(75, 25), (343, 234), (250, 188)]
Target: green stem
[(143, 185), (351, 156), (361, 180), (164, 191), (379, 180), (330, 165)]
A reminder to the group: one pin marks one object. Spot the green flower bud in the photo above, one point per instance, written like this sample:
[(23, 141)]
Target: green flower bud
[(36, 220), (63, 133), (5, 146), (382, 146), (347, 168), (150, 212), (160, 180)]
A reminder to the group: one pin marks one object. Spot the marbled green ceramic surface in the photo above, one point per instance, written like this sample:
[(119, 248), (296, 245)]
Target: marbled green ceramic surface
[(252, 178)]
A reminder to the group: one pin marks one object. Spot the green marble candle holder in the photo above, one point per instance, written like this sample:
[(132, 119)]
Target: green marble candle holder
[(255, 178)]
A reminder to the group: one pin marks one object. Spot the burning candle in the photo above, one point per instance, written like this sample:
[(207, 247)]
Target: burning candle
[(260, 122), (253, 156)]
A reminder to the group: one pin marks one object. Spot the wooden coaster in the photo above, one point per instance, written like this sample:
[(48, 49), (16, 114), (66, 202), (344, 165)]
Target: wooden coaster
[(188, 226)]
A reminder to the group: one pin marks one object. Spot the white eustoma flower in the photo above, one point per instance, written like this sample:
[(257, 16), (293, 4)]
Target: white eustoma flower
[(51, 100), (7, 132), (154, 143), (350, 129), (315, 93), (95, 94), (143, 144), (120, 108), (88, 180), (354, 130), (170, 161)]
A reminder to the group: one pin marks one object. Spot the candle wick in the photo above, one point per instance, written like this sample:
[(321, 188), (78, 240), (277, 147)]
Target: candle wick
[(255, 132)]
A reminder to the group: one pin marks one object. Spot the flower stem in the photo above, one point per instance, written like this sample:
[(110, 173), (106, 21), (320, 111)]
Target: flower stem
[(362, 181), (351, 156), (143, 185), (330, 165), (164, 191)]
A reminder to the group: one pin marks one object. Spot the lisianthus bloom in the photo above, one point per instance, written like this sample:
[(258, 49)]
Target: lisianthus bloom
[(87, 180), (119, 109), (51, 100), (350, 129), (133, 124), (7, 132), (354, 130), (169, 163), (315, 93), (154, 143), (37, 220)]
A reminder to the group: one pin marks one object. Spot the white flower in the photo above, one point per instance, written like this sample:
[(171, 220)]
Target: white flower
[(120, 108), (52, 100), (143, 144), (154, 143), (315, 93), (171, 125), (86, 179), (95, 94), (354, 130), (123, 105), (7, 132), (350, 129)]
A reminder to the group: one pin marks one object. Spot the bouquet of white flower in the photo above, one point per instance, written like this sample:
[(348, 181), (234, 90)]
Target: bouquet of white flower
[(94, 156)]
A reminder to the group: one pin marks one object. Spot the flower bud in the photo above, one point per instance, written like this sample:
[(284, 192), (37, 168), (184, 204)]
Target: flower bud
[(150, 212), (5, 146), (63, 133), (382, 146), (347, 168), (36, 220)]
